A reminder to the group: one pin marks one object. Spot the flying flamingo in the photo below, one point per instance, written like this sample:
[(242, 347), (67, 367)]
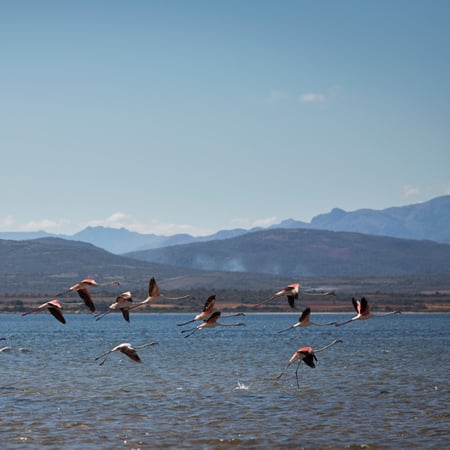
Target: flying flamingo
[(212, 322), (54, 308), (155, 294), (126, 349), (362, 308), (308, 356), (304, 321), (291, 292), (208, 309), (82, 290), (122, 302)]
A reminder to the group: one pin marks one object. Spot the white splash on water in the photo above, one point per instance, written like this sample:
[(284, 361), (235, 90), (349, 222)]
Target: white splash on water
[(241, 386)]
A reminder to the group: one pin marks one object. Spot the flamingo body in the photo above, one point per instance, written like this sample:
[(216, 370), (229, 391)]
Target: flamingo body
[(362, 309), (291, 292), (127, 349), (53, 306), (208, 309), (84, 284), (212, 322), (305, 354), (81, 288), (123, 302), (154, 293), (305, 321), (308, 356)]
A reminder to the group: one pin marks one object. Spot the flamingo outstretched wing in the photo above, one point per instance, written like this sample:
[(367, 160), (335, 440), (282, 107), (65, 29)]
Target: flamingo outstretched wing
[(55, 310), (87, 299)]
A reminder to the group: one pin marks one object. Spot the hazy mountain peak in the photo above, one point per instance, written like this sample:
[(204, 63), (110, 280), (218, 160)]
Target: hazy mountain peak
[(426, 220)]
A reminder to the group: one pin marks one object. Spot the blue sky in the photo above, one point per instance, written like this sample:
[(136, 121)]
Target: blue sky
[(195, 116)]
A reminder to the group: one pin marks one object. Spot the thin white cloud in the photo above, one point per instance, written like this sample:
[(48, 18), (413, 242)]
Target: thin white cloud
[(312, 97), (122, 220), (426, 192), (116, 220), (154, 226), (48, 225), (246, 223), (279, 96), (167, 229), (411, 191)]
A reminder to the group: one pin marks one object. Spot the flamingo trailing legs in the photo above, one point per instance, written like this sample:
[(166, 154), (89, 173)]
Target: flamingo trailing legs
[(308, 356)]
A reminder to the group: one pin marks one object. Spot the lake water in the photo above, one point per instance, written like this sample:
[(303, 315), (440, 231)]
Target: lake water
[(385, 386)]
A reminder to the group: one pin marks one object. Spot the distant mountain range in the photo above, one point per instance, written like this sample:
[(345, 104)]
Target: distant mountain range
[(240, 259), (422, 221), (429, 220), (254, 261), (308, 253), (120, 240)]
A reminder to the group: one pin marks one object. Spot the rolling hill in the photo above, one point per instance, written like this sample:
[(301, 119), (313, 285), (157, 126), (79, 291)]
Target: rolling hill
[(39, 268), (49, 265), (309, 253)]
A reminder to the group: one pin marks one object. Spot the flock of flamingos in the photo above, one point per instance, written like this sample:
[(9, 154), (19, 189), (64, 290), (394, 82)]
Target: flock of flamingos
[(207, 318)]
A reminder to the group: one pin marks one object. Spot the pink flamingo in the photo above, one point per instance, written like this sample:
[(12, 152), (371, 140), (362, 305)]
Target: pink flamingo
[(208, 309), (362, 308), (291, 292), (126, 349), (308, 356), (82, 290), (53, 307), (155, 294), (212, 322), (122, 302), (305, 321)]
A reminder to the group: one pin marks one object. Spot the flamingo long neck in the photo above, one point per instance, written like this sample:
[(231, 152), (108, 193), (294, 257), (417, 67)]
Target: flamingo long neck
[(175, 298), (278, 294), (148, 344), (336, 341), (388, 314), (233, 314), (35, 310)]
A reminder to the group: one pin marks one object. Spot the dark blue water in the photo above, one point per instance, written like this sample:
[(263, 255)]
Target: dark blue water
[(385, 386)]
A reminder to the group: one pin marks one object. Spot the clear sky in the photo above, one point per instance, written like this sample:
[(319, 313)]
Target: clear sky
[(195, 116)]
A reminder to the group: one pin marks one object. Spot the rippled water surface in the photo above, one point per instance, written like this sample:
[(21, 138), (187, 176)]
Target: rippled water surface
[(385, 386)]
